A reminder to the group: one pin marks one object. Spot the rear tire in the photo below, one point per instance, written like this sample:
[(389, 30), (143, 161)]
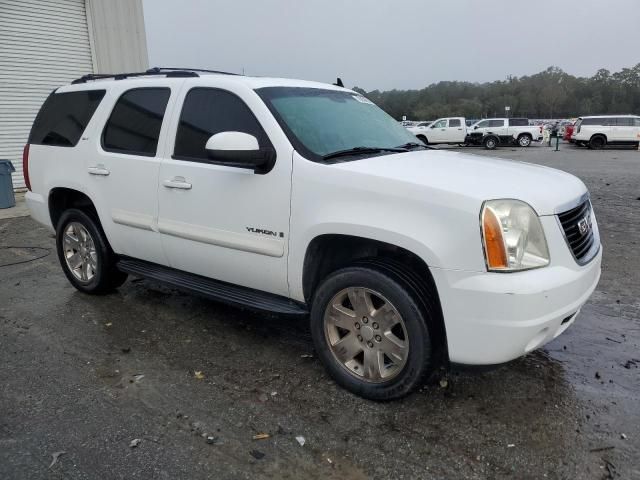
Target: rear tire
[(423, 139), (597, 142), (85, 255), (371, 330), (524, 140)]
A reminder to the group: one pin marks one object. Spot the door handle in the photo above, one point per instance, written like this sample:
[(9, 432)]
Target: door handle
[(98, 170), (177, 182)]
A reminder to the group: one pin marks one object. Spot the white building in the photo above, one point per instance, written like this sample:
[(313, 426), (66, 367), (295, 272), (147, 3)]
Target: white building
[(48, 43)]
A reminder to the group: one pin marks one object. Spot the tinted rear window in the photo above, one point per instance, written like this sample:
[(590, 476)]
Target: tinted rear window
[(518, 122), (134, 125), (624, 122), (63, 118)]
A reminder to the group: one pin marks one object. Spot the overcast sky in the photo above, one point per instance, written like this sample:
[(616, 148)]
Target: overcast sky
[(388, 44)]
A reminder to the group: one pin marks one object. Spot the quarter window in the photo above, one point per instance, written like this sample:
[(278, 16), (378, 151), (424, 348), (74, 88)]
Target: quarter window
[(625, 121), (208, 111), (134, 125), (64, 117)]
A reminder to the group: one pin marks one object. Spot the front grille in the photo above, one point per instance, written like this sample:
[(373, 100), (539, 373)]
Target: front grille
[(578, 230)]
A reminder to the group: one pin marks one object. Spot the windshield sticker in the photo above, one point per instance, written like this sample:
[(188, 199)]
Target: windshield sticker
[(362, 99)]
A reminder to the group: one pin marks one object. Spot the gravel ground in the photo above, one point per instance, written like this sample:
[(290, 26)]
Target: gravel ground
[(87, 375)]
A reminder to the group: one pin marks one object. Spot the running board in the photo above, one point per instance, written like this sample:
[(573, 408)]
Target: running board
[(213, 289)]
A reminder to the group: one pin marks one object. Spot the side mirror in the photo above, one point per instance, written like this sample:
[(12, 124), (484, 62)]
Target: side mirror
[(476, 127), (241, 150)]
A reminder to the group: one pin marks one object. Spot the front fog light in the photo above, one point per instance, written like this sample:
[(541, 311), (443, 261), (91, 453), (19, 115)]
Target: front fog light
[(512, 236)]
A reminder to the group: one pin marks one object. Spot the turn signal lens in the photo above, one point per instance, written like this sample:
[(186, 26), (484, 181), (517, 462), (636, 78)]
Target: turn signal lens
[(513, 236), (493, 242)]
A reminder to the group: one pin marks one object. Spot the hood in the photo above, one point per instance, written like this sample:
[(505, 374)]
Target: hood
[(474, 176)]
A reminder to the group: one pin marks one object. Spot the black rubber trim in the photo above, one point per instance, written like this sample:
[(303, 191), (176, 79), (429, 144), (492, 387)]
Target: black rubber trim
[(213, 289)]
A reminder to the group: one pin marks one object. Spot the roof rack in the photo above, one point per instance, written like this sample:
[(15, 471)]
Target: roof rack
[(169, 72), (186, 69)]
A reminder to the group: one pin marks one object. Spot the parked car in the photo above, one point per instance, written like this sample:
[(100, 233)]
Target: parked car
[(495, 131), (420, 129), (598, 131), (304, 198), (568, 133), (451, 130)]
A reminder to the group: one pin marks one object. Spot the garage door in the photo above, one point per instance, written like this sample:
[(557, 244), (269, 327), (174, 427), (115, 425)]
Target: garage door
[(43, 44)]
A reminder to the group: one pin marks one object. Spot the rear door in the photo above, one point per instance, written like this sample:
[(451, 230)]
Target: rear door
[(456, 130), (223, 222), (625, 130), (123, 176)]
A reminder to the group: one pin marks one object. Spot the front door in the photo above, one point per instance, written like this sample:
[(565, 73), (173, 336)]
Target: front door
[(223, 222), (438, 131)]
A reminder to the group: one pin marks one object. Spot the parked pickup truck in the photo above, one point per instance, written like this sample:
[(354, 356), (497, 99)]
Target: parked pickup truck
[(492, 132), (306, 199), (451, 130)]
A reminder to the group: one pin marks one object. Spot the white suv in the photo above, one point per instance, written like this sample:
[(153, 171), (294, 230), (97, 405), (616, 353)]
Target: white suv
[(304, 198), (598, 131)]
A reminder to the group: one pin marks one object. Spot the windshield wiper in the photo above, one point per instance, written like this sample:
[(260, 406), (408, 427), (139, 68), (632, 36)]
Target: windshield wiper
[(362, 150), (412, 145)]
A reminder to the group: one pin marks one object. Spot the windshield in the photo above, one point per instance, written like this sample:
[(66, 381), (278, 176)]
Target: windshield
[(320, 122)]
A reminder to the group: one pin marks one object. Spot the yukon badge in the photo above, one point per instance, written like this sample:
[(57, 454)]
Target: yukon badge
[(263, 231)]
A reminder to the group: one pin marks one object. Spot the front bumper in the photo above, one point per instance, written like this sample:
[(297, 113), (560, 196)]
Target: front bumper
[(492, 318)]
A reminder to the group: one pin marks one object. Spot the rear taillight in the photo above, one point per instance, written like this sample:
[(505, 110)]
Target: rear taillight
[(25, 166)]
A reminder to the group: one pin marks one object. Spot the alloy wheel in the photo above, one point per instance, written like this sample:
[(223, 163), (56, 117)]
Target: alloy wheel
[(366, 334), (80, 252)]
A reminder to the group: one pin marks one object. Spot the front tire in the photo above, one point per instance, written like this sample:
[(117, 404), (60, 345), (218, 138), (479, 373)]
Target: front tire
[(371, 331), (85, 255), (490, 143), (423, 139)]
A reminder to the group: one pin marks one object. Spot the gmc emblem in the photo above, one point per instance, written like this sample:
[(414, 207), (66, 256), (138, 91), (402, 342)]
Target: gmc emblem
[(584, 225)]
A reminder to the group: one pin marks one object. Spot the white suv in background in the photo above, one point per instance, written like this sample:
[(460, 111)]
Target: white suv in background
[(598, 131), (306, 199)]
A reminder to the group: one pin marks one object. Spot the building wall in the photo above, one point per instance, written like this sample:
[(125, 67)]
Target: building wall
[(118, 39), (45, 44)]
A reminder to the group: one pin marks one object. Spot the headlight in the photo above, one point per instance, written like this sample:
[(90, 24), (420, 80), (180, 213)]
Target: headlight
[(512, 236)]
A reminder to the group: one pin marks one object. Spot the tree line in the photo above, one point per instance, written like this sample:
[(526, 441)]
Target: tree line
[(551, 93)]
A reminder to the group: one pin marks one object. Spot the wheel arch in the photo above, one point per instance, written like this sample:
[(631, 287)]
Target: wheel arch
[(62, 198), (599, 134), (327, 253)]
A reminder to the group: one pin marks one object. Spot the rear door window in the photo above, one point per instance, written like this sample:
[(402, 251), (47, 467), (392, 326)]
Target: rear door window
[(454, 122), (134, 125), (518, 122), (64, 117)]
